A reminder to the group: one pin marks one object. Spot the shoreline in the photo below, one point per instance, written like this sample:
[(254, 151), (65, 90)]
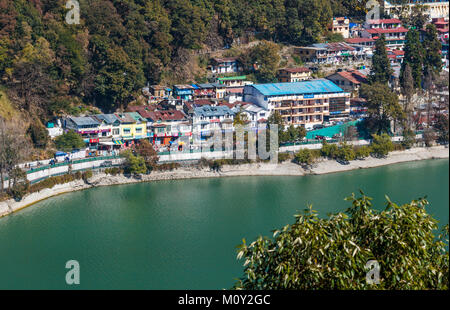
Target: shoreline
[(324, 166)]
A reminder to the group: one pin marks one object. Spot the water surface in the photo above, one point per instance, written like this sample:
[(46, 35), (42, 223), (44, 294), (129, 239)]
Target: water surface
[(182, 234)]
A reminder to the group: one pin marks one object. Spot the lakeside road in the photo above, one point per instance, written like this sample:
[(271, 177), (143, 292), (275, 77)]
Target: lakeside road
[(258, 169)]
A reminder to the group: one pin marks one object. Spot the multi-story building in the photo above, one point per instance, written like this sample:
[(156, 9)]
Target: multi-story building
[(341, 25), (86, 126), (183, 92), (433, 8), (289, 75), (331, 53), (206, 119), (165, 127), (304, 103), (349, 80), (225, 65), (234, 81), (392, 29)]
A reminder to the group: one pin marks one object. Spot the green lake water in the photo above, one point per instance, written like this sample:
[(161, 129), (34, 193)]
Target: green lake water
[(183, 234)]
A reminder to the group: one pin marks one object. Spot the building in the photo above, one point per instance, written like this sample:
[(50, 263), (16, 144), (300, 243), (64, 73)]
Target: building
[(341, 25), (183, 92), (290, 75), (160, 91), (434, 8), (349, 80), (204, 91), (395, 56), (305, 103), (234, 94), (331, 53), (234, 81), (166, 127), (206, 119), (367, 42), (86, 126), (225, 65), (391, 28), (388, 23), (254, 113)]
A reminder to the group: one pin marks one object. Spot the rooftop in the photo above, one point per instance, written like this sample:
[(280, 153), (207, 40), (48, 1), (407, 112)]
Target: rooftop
[(84, 121), (305, 87), (385, 21), (393, 30), (353, 76), (169, 115), (296, 70), (209, 111)]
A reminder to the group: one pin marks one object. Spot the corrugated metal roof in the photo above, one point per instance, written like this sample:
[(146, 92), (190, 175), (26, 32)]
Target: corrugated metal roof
[(208, 111), (298, 88), (84, 121), (108, 118)]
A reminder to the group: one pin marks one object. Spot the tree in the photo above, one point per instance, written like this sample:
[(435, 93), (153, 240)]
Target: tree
[(69, 141), (432, 53), (14, 148), (407, 88), (414, 55), (39, 134), (134, 164), (306, 157), (382, 106), (329, 150), (345, 152), (381, 67), (362, 152), (381, 145), (331, 253), (265, 57), (276, 119), (409, 138), (441, 126), (145, 150)]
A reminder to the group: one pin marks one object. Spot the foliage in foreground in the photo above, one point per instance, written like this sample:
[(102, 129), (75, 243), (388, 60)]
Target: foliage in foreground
[(331, 253)]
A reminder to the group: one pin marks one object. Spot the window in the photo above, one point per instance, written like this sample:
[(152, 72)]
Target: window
[(126, 130), (138, 129), (115, 131)]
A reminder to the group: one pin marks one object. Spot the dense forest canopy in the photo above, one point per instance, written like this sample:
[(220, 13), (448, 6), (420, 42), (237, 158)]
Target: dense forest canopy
[(120, 45)]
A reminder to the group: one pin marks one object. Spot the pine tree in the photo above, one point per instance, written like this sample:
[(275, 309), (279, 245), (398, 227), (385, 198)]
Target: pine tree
[(381, 68), (432, 49), (414, 57)]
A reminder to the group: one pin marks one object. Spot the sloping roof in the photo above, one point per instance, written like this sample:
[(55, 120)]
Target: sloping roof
[(305, 87), (385, 21), (394, 30), (359, 40), (296, 70), (125, 118), (353, 76), (168, 115), (232, 78), (84, 121), (136, 116), (225, 59), (209, 111), (107, 118), (339, 46)]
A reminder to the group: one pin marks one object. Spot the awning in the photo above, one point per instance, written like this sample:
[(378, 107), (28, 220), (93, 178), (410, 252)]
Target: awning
[(118, 142), (108, 143)]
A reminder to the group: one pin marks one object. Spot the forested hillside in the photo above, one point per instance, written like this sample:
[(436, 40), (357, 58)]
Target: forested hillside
[(48, 66)]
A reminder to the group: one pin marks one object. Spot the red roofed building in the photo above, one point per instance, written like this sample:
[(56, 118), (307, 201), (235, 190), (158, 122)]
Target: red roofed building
[(395, 37), (164, 127), (361, 41), (395, 56), (390, 23), (349, 80)]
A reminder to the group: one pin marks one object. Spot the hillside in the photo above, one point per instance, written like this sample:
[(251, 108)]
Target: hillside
[(50, 67)]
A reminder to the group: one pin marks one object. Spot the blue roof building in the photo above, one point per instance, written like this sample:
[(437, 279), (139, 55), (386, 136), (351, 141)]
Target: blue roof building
[(304, 103)]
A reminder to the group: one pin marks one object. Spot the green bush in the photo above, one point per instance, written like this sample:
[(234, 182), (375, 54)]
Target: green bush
[(381, 145), (329, 150), (283, 157), (306, 157), (345, 152), (362, 152)]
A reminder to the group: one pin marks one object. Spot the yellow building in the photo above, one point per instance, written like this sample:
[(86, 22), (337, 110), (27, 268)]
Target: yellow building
[(290, 75), (132, 126)]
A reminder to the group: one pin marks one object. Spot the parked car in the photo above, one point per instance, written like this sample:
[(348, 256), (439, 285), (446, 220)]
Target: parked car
[(107, 163), (318, 126)]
